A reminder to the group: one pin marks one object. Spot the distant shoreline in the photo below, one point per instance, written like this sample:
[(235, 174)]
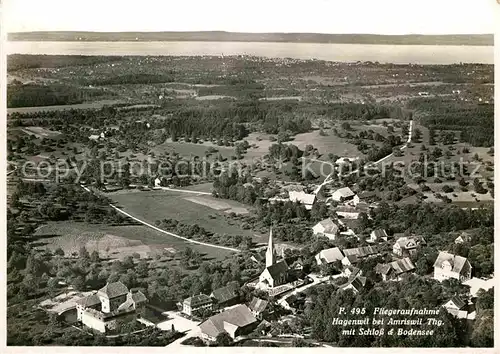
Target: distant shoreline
[(65, 36)]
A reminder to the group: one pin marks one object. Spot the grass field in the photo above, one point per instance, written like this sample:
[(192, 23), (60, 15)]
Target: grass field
[(115, 242), (156, 205)]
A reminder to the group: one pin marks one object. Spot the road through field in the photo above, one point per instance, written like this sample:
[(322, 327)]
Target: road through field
[(166, 232)]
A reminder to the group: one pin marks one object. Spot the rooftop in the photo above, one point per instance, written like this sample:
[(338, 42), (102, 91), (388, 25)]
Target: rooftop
[(238, 316), (456, 262), (112, 290)]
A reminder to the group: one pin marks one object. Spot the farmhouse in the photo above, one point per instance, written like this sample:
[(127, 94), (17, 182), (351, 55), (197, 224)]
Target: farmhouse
[(448, 266), (227, 295), (196, 304), (327, 228), (354, 255), (459, 308), (355, 284), (303, 198), (101, 310), (236, 321), (407, 246), (343, 194), (328, 256), (394, 270)]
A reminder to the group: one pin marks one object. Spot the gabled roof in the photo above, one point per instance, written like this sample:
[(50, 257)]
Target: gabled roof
[(138, 297), (277, 269), (344, 192), (112, 290), (226, 293), (459, 303), (238, 316), (402, 265), (331, 255), (198, 300), (258, 305), (382, 268), (457, 262), (405, 242), (361, 252), (329, 225), (379, 233), (89, 301), (358, 283)]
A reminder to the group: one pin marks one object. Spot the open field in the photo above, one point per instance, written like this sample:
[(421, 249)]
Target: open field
[(157, 205), (115, 242), (88, 105), (41, 133)]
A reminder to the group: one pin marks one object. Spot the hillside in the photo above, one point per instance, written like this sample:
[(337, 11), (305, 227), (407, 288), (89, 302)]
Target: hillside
[(482, 39)]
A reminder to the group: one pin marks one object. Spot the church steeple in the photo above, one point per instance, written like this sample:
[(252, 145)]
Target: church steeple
[(270, 255)]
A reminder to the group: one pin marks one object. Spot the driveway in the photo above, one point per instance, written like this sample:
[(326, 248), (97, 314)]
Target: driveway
[(181, 324)]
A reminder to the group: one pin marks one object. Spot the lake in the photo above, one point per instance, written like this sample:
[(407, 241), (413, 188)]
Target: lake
[(397, 54)]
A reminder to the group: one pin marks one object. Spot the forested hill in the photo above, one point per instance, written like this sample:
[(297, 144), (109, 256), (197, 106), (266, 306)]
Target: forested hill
[(219, 36)]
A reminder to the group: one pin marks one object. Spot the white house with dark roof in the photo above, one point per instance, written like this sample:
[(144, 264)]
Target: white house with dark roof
[(101, 309), (449, 266), (460, 308), (327, 228), (356, 284), (196, 304), (236, 321)]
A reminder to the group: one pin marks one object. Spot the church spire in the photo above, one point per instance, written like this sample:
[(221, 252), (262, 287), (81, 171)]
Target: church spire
[(270, 255)]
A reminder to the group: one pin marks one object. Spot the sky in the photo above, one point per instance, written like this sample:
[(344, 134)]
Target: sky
[(311, 16)]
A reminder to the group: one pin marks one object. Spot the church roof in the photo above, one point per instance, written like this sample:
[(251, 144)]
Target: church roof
[(277, 269)]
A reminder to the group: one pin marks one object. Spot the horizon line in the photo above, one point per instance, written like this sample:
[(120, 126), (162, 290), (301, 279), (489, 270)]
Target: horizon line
[(249, 32)]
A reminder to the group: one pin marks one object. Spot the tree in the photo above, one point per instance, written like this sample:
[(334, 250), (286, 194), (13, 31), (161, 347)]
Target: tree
[(223, 339)]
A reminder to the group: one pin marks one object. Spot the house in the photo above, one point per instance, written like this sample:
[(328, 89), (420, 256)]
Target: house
[(303, 198), (327, 228), (394, 270), (377, 235), (101, 310), (197, 304), (459, 308), (355, 255), (236, 321), (343, 194), (355, 284), (347, 212), (94, 137), (275, 273), (407, 246), (352, 272), (328, 256), (157, 182), (463, 238), (227, 295), (448, 266), (259, 308)]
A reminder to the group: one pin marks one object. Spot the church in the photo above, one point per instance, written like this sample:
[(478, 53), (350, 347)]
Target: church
[(276, 273)]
